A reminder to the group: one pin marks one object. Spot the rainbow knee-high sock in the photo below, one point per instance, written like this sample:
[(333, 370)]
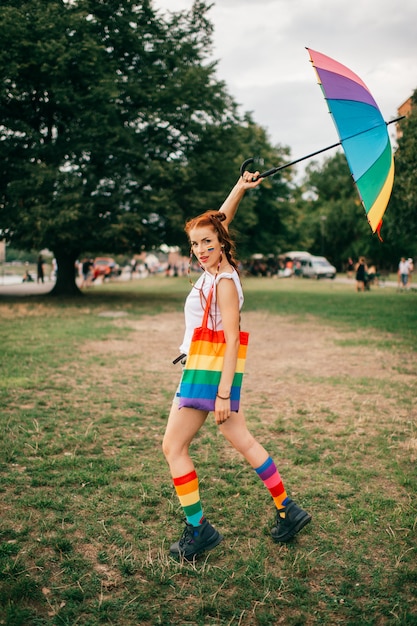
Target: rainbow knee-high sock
[(189, 497), (272, 480)]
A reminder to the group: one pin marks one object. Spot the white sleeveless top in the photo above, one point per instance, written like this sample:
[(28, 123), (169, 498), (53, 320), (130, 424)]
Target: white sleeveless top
[(194, 310)]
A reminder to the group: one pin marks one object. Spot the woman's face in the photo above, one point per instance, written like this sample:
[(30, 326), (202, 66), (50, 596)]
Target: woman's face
[(206, 247)]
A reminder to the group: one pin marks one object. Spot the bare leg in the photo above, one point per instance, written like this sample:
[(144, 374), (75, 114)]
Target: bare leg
[(237, 433), (290, 517), (183, 424), (199, 535)]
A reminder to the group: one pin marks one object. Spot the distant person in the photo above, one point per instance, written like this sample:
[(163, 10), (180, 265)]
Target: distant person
[(372, 276), (86, 269), (40, 273), (289, 265), (27, 277), (54, 270), (403, 272), (410, 270), (133, 267), (361, 274), (350, 267)]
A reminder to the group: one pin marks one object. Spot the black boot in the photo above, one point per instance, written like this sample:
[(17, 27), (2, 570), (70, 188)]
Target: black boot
[(195, 540), (286, 527)]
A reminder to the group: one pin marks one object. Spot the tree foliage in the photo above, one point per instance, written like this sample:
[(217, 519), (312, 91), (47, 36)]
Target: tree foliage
[(401, 222), (334, 220), (264, 222), (113, 125)]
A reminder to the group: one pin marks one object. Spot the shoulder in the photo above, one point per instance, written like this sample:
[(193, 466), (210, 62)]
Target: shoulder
[(230, 277), (226, 281), (228, 285), (233, 274)]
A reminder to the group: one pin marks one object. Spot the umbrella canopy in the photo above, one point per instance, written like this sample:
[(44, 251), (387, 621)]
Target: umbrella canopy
[(362, 131)]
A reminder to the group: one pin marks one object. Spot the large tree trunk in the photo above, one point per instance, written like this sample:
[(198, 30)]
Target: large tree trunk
[(66, 273)]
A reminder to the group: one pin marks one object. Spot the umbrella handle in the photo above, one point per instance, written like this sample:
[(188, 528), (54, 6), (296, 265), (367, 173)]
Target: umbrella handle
[(244, 165)]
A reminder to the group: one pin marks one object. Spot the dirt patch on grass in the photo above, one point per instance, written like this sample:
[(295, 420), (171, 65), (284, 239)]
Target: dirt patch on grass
[(293, 368), (311, 367)]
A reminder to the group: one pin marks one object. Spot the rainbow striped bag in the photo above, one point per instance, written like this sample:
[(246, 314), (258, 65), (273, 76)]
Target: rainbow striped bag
[(203, 367)]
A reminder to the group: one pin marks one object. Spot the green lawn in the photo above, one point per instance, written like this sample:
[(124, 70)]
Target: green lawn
[(88, 510)]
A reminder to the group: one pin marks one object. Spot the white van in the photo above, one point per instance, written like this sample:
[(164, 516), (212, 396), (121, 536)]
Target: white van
[(317, 267)]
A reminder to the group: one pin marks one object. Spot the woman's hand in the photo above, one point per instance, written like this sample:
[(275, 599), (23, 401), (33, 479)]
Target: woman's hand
[(221, 410), (247, 180)]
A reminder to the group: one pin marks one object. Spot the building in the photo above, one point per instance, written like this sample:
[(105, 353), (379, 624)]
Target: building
[(404, 109)]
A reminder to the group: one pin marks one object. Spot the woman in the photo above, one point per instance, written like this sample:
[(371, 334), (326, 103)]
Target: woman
[(403, 270), (40, 272), (213, 248), (361, 274)]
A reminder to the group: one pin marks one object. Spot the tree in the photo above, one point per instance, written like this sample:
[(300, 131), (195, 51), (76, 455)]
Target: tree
[(333, 217), (102, 105), (213, 166), (400, 224), (335, 221), (265, 221)]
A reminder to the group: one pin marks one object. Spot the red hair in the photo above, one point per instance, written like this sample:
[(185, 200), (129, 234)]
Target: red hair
[(214, 219)]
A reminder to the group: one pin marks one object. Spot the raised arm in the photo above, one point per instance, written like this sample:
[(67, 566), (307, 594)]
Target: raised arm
[(230, 205)]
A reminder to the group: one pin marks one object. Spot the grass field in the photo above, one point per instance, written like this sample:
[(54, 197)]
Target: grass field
[(88, 510)]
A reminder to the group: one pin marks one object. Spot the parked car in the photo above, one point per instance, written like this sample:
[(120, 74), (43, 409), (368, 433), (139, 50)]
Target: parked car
[(105, 267), (317, 267)]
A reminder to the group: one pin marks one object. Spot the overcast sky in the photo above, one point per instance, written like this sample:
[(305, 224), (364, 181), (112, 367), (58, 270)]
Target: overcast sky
[(260, 46)]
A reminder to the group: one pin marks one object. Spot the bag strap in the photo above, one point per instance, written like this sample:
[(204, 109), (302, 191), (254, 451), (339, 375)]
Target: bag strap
[(208, 305)]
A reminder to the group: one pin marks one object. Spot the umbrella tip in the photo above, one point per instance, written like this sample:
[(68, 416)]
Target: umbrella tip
[(378, 231)]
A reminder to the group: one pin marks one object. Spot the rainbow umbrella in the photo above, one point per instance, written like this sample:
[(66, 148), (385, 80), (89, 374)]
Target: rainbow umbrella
[(362, 131), (363, 135)]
